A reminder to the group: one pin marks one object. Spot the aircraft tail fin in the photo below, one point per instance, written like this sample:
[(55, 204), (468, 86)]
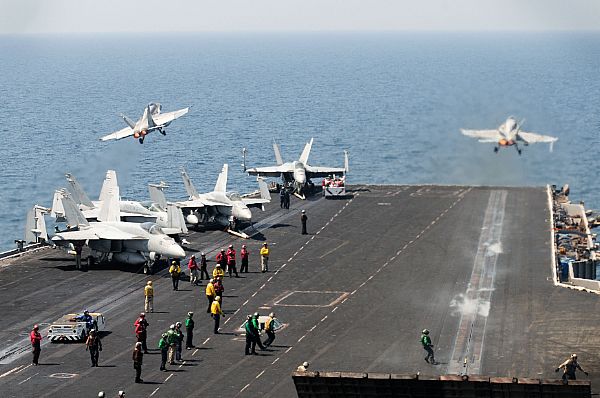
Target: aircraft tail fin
[(110, 210), (346, 162), (221, 185), (304, 156), (175, 217), (74, 216), (110, 185), (35, 227), (57, 211), (77, 192), (264, 189), (148, 115), (127, 120), (157, 194), (189, 187), (278, 157)]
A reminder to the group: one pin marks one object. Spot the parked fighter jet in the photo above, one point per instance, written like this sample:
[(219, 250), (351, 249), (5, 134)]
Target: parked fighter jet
[(219, 206), (297, 172), (110, 239), (508, 134), (151, 120), (169, 218)]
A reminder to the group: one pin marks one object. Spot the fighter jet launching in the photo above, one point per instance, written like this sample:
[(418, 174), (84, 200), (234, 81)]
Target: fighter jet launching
[(219, 206), (297, 172), (509, 134), (151, 120), (110, 239)]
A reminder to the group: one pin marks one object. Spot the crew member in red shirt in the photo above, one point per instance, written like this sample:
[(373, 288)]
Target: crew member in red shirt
[(36, 343), (244, 254), (231, 266)]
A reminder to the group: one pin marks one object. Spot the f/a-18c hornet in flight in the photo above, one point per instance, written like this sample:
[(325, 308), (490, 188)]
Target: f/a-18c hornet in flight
[(151, 120), (297, 172), (509, 134)]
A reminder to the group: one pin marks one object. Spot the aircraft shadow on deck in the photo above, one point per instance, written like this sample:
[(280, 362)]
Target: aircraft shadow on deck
[(258, 236)]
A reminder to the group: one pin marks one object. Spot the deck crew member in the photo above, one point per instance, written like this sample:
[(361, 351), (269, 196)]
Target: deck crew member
[(94, 346), (303, 219), (218, 271), (210, 293), (231, 266), (427, 346), (36, 343), (149, 297), (138, 357), (256, 325), (244, 255), (569, 367), (215, 310), (303, 367), (282, 198), (193, 267), (172, 342), (270, 329), (251, 337), (189, 329), (141, 325), (264, 257), (221, 260), (287, 199), (219, 289), (178, 341), (175, 271), (164, 351), (203, 264)]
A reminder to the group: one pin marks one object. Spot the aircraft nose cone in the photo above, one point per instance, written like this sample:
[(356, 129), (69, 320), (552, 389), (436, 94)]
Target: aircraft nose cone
[(175, 251), (245, 215)]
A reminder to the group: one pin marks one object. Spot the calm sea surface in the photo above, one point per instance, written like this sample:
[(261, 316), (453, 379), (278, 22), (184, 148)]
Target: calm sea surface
[(395, 101)]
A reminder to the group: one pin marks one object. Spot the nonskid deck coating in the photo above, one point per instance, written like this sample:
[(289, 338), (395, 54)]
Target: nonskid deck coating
[(354, 294)]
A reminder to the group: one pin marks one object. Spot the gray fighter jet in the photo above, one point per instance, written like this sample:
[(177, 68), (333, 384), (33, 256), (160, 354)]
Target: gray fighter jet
[(109, 239), (509, 134), (299, 172), (151, 120)]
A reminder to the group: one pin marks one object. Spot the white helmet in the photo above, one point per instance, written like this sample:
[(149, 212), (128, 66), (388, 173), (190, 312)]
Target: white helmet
[(425, 331)]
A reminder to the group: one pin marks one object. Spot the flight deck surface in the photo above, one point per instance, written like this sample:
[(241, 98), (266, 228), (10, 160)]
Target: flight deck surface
[(471, 264)]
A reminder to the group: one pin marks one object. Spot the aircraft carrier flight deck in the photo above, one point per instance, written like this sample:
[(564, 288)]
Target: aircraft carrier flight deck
[(471, 264)]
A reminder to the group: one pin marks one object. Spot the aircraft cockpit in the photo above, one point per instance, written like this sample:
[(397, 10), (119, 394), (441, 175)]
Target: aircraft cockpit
[(152, 228), (234, 196)]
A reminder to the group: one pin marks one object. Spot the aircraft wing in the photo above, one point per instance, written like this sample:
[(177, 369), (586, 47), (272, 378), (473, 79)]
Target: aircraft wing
[(316, 171), (483, 135), (270, 171), (117, 135), (192, 203), (533, 138), (167, 117), (95, 233)]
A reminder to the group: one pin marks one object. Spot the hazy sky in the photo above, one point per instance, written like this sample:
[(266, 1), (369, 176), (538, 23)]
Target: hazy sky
[(41, 16)]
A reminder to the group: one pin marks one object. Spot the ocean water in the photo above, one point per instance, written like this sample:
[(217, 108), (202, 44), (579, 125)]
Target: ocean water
[(396, 101)]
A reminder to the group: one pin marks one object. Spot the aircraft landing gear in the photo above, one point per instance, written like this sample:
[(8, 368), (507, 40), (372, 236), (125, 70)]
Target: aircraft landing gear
[(163, 132), (495, 149), (141, 140), (518, 150)]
